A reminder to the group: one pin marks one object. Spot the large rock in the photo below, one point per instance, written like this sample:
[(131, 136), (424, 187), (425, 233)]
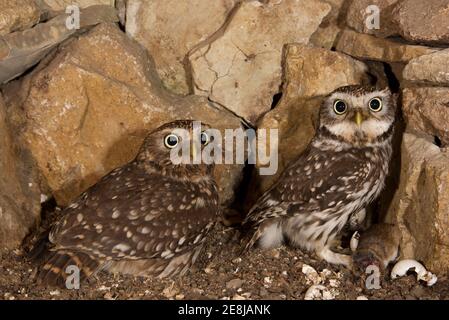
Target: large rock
[(240, 68), (310, 74), (426, 110), (87, 111), (19, 192), (169, 29), (359, 17), (18, 15), (421, 205), (61, 5), (368, 47), (432, 68), (423, 21), (329, 29)]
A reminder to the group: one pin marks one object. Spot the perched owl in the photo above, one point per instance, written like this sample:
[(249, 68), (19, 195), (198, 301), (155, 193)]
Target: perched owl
[(340, 173), (149, 217)]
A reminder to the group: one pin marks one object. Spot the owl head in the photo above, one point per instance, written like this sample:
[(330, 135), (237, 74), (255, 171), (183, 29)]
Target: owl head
[(358, 115), (175, 149)]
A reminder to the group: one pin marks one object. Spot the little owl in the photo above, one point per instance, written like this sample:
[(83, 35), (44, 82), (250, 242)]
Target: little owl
[(149, 217), (338, 175)]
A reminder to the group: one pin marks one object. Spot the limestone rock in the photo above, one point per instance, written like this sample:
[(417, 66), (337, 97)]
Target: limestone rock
[(368, 47), (21, 50), (421, 205), (423, 21), (19, 192), (329, 29), (432, 68), (359, 15), (241, 68), (310, 73), (170, 29), (87, 111), (61, 5), (17, 15), (426, 110)]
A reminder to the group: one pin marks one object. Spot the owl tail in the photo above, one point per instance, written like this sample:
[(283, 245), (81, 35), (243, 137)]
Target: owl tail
[(63, 268)]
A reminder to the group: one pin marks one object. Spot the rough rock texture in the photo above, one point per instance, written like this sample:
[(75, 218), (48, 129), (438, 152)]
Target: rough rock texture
[(329, 28), (426, 110), (309, 74), (241, 68), (365, 46), (423, 21), (421, 204), (21, 50), (432, 68), (19, 193), (61, 5), (17, 15), (88, 110), (170, 29), (357, 17)]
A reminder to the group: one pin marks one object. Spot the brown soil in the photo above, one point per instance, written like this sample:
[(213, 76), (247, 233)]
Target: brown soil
[(221, 273)]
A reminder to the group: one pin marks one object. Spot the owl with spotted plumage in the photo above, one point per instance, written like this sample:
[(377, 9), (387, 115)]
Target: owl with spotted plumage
[(331, 183), (147, 218)]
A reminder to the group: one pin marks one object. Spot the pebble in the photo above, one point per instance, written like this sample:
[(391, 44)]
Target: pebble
[(234, 284)]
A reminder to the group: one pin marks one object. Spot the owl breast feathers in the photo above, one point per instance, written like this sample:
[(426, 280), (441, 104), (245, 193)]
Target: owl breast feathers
[(149, 217), (339, 174)]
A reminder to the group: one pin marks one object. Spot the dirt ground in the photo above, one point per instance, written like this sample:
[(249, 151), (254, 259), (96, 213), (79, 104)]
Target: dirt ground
[(222, 272)]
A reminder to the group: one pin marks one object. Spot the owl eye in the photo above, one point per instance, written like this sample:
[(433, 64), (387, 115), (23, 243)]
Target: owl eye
[(171, 141), (205, 139), (339, 107), (375, 104)]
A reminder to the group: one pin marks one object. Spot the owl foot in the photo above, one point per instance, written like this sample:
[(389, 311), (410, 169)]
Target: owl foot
[(334, 258)]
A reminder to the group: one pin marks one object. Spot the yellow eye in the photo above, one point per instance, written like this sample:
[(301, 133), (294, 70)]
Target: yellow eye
[(171, 141), (204, 138), (375, 104), (340, 107)]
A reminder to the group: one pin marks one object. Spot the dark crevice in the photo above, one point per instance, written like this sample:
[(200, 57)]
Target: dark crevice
[(393, 82), (276, 98), (438, 142)]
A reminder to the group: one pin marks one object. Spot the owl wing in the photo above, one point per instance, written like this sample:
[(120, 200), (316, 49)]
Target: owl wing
[(130, 214), (316, 182)]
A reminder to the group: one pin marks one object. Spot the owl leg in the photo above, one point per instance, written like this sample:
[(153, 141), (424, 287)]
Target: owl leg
[(332, 257)]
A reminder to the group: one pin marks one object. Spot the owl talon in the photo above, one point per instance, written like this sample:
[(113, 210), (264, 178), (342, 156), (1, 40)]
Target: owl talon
[(335, 258)]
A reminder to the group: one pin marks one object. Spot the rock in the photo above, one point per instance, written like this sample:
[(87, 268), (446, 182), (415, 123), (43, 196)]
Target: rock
[(19, 192), (61, 5), (169, 30), (432, 68), (234, 284), (426, 110), (421, 204), (359, 17), (423, 21), (368, 47), (21, 50), (309, 74), (240, 68), (329, 29), (87, 110), (16, 15)]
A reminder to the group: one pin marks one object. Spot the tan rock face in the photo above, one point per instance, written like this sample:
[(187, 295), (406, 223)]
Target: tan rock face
[(17, 15), (19, 193), (365, 46), (359, 15), (310, 73), (87, 111), (421, 205), (426, 110), (329, 28), (61, 5), (170, 29), (432, 68), (241, 68), (423, 21)]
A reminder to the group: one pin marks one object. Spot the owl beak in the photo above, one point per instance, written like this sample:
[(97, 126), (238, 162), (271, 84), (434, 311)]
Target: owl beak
[(358, 118)]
